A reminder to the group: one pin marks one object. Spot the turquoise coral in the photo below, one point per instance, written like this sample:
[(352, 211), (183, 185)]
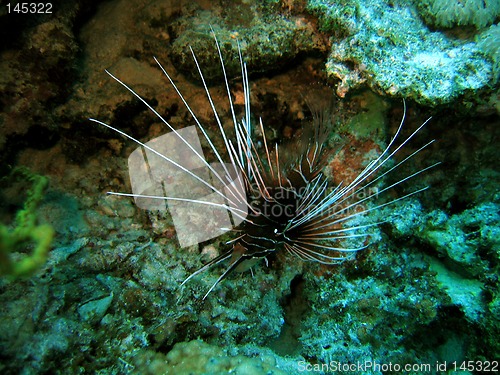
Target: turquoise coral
[(446, 13), (198, 357), (26, 231), (394, 52), (489, 44)]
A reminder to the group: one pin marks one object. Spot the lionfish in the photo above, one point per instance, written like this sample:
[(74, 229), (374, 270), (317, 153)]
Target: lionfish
[(274, 205)]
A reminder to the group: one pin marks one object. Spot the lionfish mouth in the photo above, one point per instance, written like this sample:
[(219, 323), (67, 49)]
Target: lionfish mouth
[(273, 205)]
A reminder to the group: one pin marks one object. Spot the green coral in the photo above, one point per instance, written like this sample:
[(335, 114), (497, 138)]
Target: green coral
[(197, 357), (446, 13), (488, 43), (266, 40), (26, 232), (336, 17)]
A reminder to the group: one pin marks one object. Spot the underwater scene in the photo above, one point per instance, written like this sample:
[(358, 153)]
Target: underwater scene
[(250, 187)]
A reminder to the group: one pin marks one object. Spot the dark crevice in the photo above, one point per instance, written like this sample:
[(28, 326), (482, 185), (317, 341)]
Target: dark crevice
[(295, 307)]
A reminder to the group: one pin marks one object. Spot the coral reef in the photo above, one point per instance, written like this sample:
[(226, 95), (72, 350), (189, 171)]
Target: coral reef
[(469, 254), (489, 44), (356, 314), (446, 13), (107, 298), (197, 357), (267, 40), (467, 238), (396, 54), (34, 78)]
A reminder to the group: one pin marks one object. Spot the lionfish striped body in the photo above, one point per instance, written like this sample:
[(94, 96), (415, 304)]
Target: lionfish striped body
[(287, 206)]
